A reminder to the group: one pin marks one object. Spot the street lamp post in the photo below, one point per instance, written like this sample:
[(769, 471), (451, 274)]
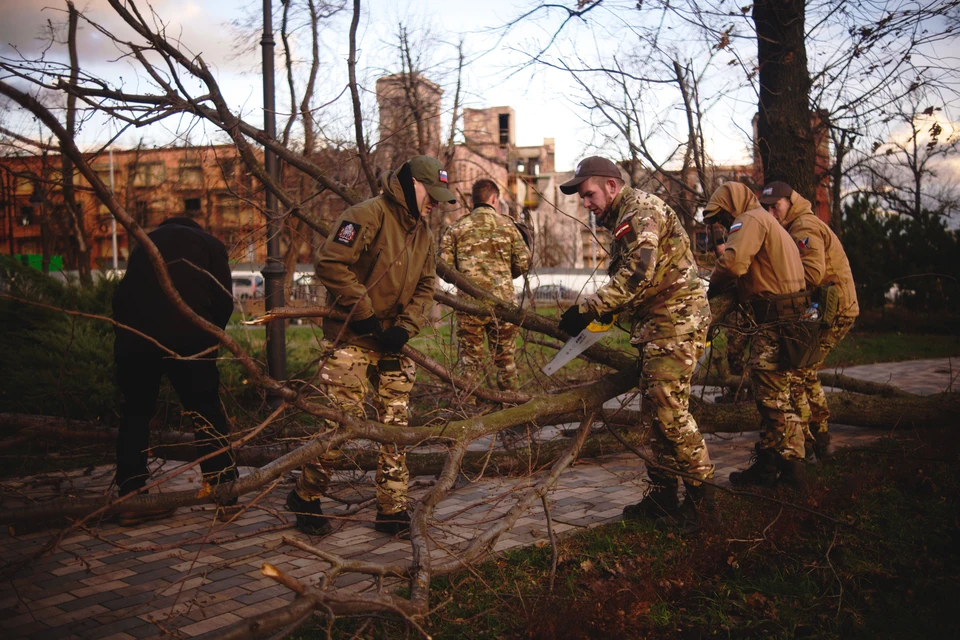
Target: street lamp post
[(274, 271)]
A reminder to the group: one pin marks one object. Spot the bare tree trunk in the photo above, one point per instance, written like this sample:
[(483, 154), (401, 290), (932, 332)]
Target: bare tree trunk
[(362, 151), (79, 237), (783, 132)]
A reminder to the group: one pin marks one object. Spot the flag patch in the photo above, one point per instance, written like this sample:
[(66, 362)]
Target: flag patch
[(443, 176), (347, 233), (620, 231), (735, 227), (803, 244)]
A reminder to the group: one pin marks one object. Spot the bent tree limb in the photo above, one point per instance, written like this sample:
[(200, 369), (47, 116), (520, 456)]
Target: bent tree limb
[(352, 429)]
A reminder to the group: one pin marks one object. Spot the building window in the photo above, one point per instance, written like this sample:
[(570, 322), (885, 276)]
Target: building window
[(26, 216), (191, 207), (148, 174), (141, 209), (191, 175), (228, 209), (504, 119)]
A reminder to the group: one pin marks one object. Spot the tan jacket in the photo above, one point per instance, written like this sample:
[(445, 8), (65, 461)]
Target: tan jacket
[(823, 257), (378, 260), (760, 255)]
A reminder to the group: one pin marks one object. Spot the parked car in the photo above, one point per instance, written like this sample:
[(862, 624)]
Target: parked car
[(247, 287)]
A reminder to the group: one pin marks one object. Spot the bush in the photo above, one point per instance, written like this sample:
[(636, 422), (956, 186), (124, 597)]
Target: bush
[(917, 253), (55, 364)]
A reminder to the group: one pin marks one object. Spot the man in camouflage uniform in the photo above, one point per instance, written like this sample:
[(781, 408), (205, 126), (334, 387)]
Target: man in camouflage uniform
[(763, 261), (824, 262), (486, 246), (378, 266), (655, 286)]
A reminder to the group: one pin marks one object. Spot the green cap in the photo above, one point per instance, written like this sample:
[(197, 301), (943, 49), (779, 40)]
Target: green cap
[(429, 172)]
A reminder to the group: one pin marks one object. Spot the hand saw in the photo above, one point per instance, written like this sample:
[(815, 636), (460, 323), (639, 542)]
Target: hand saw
[(575, 346)]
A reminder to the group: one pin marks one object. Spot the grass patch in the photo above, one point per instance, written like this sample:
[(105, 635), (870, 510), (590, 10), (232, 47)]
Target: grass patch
[(867, 348), (764, 572)]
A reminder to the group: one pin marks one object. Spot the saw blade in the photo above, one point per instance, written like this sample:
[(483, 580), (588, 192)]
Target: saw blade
[(594, 332)]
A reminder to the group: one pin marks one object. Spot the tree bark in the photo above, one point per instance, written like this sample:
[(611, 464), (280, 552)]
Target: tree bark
[(784, 137)]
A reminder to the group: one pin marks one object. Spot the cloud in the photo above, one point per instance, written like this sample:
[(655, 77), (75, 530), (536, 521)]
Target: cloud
[(202, 28)]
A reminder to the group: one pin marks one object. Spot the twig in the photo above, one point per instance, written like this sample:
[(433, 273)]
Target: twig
[(553, 541)]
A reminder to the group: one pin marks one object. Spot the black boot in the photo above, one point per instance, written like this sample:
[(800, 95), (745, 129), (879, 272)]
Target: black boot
[(763, 471), (699, 507), (825, 450), (393, 523), (793, 474), (660, 501), (810, 454), (309, 515)]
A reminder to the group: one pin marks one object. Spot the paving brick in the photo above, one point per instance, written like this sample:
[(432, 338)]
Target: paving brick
[(263, 594), (50, 601), (209, 624), (72, 616), (96, 598), (163, 572), (129, 600), (110, 628), (228, 583), (209, 611), (33, 615), (71, 629)]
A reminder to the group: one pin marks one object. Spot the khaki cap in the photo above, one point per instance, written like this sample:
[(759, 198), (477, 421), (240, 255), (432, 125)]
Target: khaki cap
[(431, 174)]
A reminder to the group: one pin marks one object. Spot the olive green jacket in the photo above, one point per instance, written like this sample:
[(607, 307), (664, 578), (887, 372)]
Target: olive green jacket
[(378, 260)]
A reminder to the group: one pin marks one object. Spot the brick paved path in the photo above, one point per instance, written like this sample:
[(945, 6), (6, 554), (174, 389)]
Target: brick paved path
[(121, 583)]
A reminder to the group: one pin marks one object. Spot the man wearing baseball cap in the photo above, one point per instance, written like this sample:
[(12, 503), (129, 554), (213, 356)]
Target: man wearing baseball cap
[(655, 288), (379, 269), (826, 269)]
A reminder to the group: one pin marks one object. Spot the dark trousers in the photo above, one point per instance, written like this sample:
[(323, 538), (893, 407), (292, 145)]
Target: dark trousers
[(197, 383)]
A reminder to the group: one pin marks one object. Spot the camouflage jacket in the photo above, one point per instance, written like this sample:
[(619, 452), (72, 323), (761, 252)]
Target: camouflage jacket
[(486, 246), (654, 282)]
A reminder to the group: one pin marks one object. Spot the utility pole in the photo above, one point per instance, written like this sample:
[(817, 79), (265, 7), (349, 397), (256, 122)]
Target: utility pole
[(113, 221), (274, 271)]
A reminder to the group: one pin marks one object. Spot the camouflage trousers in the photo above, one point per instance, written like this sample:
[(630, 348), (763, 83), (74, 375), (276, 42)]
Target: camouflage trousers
[(502, 337), (737, 341), (347, 375), (780, 423), (806, 391), (666, 369)]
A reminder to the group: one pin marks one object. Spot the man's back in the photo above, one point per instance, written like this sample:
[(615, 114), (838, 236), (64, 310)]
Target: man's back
[(486, 246), (198, 266)]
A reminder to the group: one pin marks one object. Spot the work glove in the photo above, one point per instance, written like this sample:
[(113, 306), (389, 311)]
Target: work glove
[(572, 322), (366, 327), (394, 338)]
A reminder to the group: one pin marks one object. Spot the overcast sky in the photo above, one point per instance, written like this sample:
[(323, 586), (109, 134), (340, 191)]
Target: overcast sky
[(544, 100)]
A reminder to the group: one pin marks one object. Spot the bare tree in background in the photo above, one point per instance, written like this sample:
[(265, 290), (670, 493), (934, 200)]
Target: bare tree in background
[(902, 171)]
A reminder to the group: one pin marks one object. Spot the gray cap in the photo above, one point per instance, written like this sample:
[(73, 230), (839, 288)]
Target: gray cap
[(588, 167)]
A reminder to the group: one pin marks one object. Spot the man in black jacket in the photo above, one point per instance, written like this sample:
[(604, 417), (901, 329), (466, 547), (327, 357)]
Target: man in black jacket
[(198, 266)]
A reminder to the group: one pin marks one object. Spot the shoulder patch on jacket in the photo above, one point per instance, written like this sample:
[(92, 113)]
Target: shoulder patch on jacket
[(735, 227), (804, 244), (621, 230), (347, 233)]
